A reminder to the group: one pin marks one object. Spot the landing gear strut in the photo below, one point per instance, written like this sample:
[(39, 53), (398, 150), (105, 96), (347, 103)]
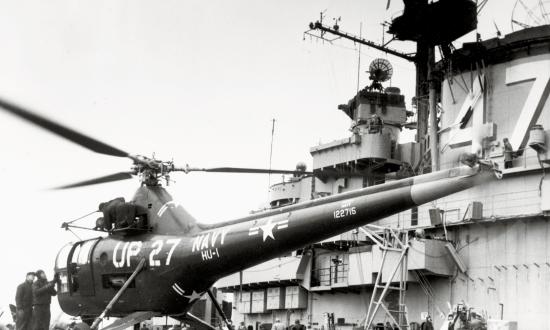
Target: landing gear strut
[(219, 309), (117, 296)]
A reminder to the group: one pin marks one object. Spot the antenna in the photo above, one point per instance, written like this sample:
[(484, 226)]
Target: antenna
[(271, 150), (323, 30), (359, 60), (524, 16), (322, 33)]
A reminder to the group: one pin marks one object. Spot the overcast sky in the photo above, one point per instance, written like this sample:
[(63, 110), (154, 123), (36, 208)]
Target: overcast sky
[(193, 81)]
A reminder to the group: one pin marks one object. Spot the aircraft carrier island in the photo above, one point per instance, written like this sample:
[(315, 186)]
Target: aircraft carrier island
[(478, 258)]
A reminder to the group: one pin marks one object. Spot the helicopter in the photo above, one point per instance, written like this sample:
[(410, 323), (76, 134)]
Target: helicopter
[(158, 260)]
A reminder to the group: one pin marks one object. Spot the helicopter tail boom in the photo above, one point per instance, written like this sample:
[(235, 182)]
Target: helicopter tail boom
[(418, 193), (259, 238)]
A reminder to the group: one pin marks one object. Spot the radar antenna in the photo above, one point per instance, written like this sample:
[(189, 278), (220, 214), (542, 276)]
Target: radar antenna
[(380, 70)]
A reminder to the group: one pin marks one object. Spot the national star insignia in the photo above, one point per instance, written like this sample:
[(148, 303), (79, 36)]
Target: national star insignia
[(267, 230), (193, 296)]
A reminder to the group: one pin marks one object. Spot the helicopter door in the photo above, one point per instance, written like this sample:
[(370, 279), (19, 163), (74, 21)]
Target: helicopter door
[(80, 272)]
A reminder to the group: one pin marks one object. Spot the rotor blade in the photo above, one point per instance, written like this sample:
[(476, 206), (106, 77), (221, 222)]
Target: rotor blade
[(324, 174), (244, 170), (104, 179), (62, 131)]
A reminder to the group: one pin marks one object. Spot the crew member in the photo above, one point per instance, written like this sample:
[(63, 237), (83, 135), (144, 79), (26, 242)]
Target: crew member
[(278, 325), (298, 326), (109, 213), (23, 303), (508, 153), (427, 325), (42, 291), (118, 213)]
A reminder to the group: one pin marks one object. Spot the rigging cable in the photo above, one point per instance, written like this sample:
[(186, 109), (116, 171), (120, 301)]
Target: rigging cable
[(82, 217)]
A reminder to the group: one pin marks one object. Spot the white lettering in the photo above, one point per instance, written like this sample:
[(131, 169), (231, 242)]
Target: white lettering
[(205, 241), (224, 232), (116, 262), (174, 242), (133, 250), (215, 237), (197, 243), (536, 99), (206, 255), (157, 246), (344, 212), (473, 107), (207, 244)]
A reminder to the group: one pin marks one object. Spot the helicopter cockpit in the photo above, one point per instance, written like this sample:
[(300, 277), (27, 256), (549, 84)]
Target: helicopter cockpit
[(73, 264)]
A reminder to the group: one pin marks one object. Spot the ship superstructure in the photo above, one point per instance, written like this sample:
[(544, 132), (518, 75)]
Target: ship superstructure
[(486, 247)]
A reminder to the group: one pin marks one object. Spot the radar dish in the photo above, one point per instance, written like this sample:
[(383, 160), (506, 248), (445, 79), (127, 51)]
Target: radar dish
[(380, 70)]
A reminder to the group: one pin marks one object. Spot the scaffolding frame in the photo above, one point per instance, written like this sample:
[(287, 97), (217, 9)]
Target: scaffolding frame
[(397, 241)]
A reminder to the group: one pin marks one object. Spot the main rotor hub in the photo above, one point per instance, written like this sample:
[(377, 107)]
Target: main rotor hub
[(151, 170)]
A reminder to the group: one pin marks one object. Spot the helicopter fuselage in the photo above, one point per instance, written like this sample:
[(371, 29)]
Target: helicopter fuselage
[(181, 267)]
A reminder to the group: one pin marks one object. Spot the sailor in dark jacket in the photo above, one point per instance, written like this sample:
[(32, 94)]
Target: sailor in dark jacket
[(23, 303), (42, 292), (509, 154)]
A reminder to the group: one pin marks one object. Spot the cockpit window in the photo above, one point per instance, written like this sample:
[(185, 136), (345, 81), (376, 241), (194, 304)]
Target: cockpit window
[(64, 285), (61, 261), (84, 253), (73, 264), (75, 254)]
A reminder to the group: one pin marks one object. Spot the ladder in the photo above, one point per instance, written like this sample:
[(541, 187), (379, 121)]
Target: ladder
[(392, 240)]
